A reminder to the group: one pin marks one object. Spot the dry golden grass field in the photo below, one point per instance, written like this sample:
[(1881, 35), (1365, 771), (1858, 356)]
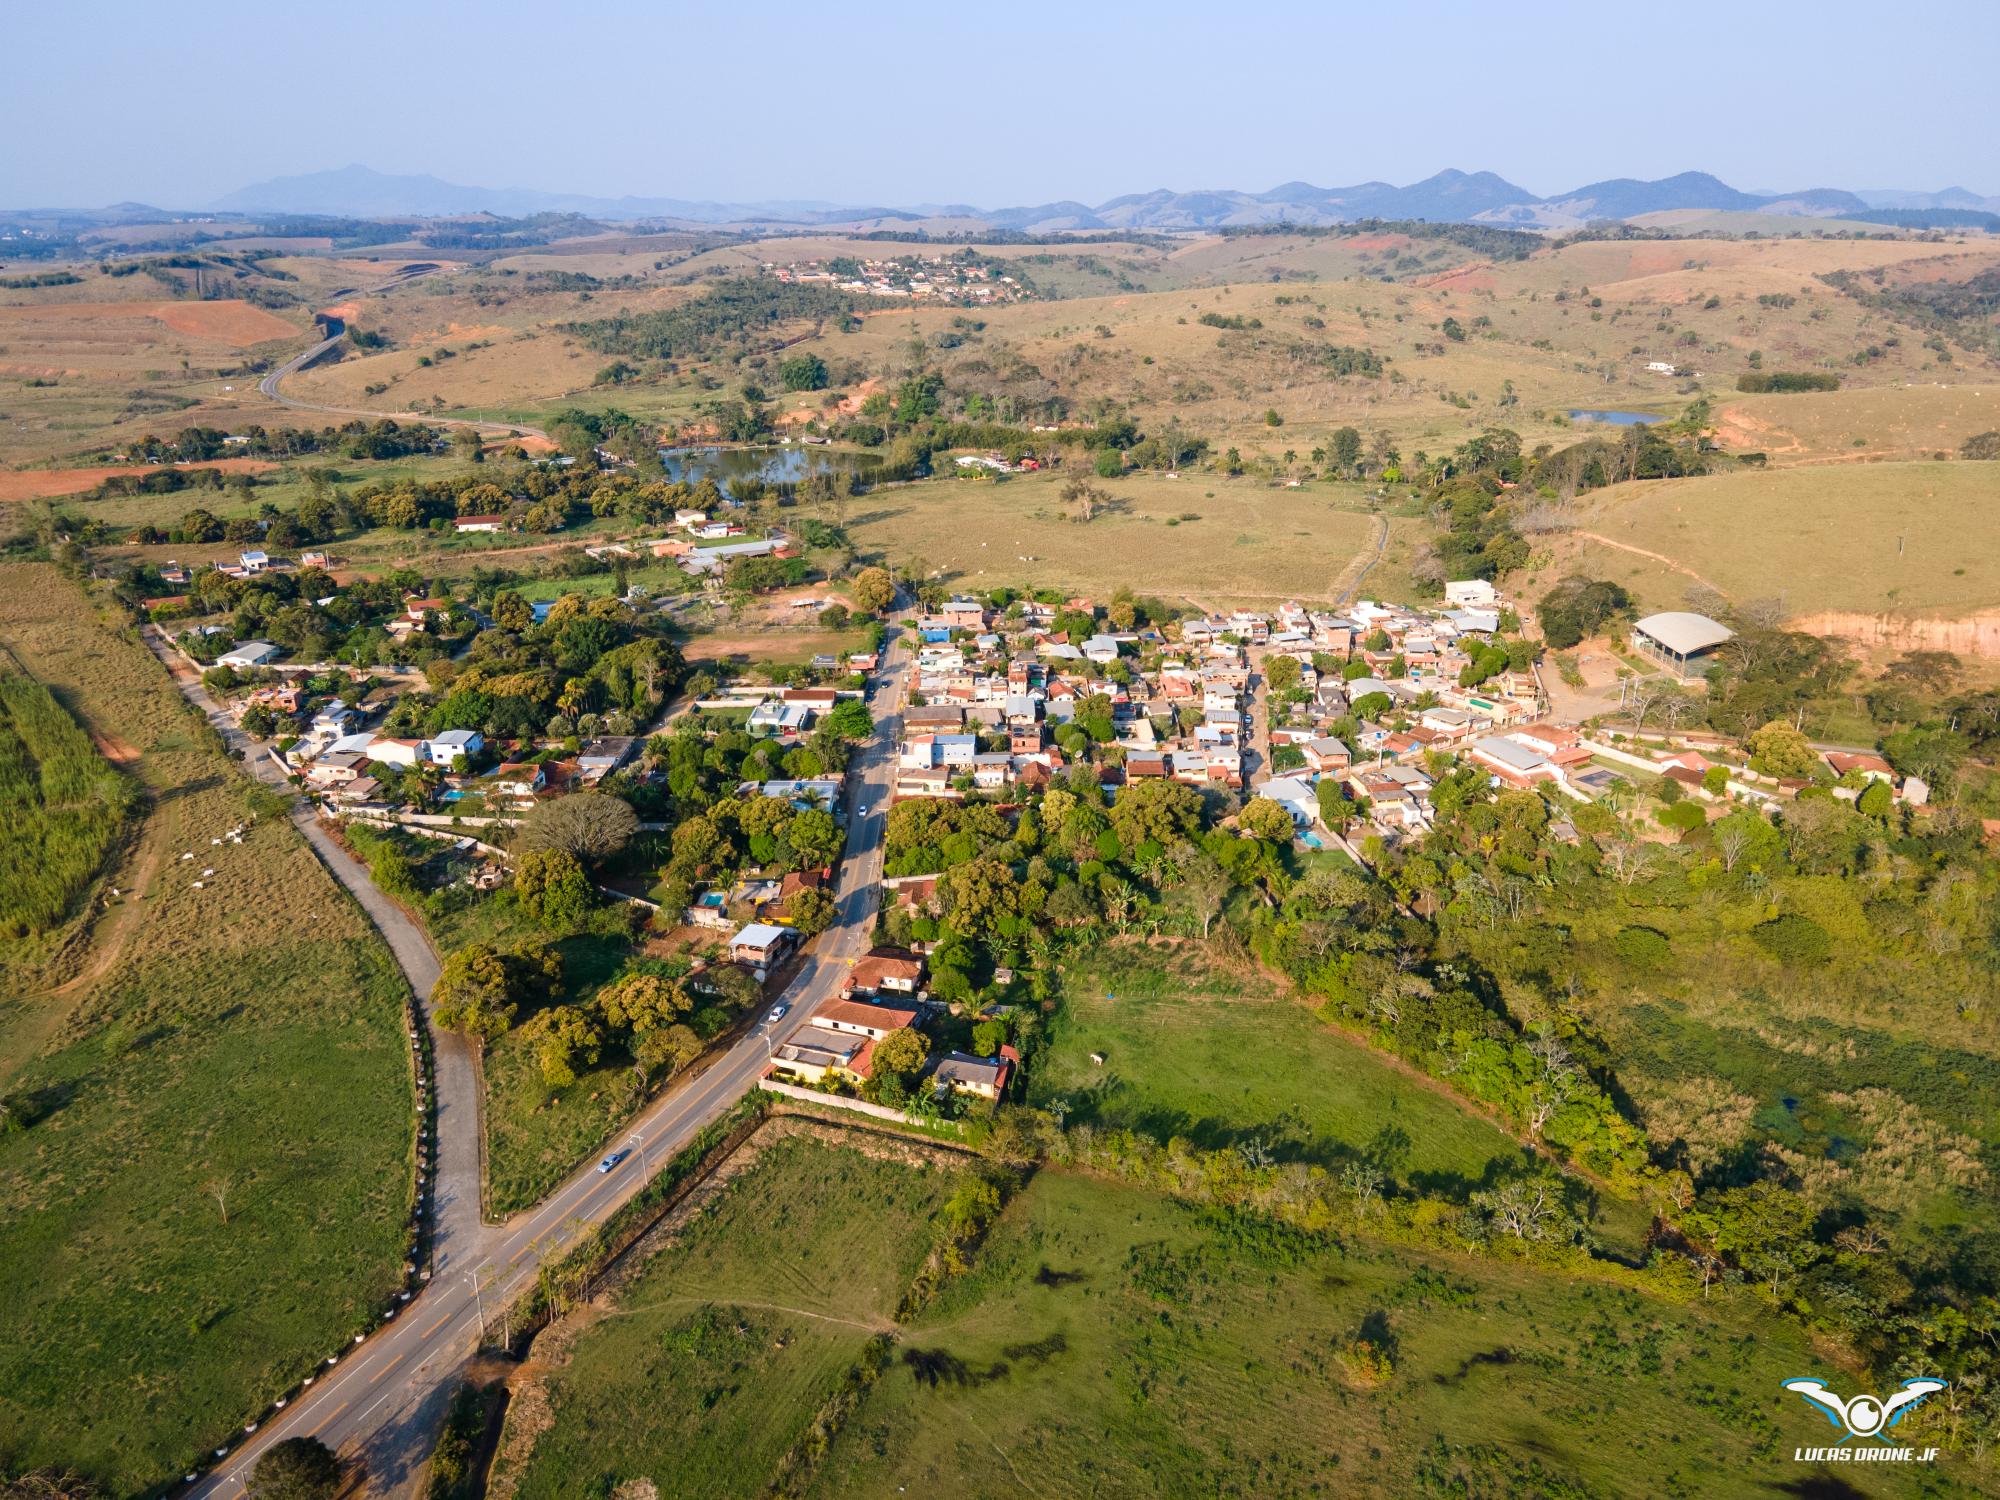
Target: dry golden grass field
[(1913, 421), (1202, 536), (1919, 538)]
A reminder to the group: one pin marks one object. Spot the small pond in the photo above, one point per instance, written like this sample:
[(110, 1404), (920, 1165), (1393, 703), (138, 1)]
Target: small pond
[(772, 465), (1614, 418)]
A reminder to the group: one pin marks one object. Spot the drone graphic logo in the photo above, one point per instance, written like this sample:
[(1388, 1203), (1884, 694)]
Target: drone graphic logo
[(1866, 1416)]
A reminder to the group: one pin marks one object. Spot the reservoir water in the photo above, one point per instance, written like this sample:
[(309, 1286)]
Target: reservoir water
[(772, 465), (1614, 418)]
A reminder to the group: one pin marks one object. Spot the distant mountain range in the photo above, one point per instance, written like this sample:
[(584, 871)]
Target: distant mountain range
[(1450, 196)]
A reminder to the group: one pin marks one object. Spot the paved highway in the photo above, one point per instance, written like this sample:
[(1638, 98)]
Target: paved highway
[(271, 385), (380, 1401)]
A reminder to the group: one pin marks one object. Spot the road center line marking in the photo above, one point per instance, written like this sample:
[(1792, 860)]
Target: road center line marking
[(312, 1430), (442, 1320), (385, 1369)]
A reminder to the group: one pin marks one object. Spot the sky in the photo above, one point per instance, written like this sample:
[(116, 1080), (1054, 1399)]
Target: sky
[(993, 105)]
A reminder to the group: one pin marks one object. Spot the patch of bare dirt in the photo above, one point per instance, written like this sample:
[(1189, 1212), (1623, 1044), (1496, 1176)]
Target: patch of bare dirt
[(39, 484), (235, 323), (1737, 428)]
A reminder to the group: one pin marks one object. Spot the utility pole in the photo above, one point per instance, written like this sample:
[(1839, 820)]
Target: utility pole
[(645, 1169), (480, 1302)]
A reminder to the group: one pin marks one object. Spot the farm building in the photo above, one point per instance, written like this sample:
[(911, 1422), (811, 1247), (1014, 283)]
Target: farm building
[(1679, 641)]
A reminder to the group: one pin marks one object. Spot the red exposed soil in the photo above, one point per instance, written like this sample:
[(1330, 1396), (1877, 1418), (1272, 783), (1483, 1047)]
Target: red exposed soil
[(37, 484)]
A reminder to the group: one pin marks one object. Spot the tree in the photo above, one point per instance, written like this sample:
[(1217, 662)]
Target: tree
[(1268, 820), (1084, 497), (1110, 463), (812, 912), (552, 888), (49, 1484), (1282, 673), (641, 1003), (1781, 749), (803, 372), (473, 995), (814, 838), (900, 1056), (1200, 883), (667, 1050), (1793, 939), (563, 1035), (1531, 1208), (988, 1037), (1166, 812), (874, 590), (978, 896), (590, 826), (299, 1468), (1766, 1228), (1577, 607), (849, 720)]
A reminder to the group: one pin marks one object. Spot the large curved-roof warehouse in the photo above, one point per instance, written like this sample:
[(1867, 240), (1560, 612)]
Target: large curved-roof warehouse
[(1684, 633)]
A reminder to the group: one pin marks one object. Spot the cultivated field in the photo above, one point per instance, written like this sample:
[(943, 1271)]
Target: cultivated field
[(1111, 1342), (713, 1358), (212, 1188), (1202, 535)]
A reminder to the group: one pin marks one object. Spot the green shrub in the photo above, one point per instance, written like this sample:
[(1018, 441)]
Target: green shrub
[(1643, 947), (1793, 939)]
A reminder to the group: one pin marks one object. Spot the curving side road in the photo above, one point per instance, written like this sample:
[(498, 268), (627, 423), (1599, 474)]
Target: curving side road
[(271, 386), (380, 1403)]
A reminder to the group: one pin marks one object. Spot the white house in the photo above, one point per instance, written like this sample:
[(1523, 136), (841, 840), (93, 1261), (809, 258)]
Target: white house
[(761, 945), (1296, 796), (253, 562), (517, 779), (1472, 593), (399, 752), (446, 748), (249, 654)]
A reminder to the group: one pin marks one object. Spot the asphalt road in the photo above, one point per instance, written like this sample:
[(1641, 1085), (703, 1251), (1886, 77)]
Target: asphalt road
[(270, 387), (380, 1401)]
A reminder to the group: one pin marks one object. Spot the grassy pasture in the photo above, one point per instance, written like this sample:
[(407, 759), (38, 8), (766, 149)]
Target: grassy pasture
[(236, 1049), (1250, 541), (1110, 1342), (1219, 1060), (1822, 538), (717, 1353), (1905, 422)]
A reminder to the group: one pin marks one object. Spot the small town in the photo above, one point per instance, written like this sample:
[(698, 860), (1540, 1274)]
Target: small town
[(962, 279), (1000, 780)]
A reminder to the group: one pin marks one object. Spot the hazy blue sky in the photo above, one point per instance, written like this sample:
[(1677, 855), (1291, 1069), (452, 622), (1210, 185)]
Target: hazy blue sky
[(990, 104)]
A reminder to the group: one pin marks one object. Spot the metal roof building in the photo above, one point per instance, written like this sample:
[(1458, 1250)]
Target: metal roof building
[(1676, 638)]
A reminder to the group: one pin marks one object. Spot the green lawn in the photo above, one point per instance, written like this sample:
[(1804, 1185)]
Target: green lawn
[(1192, 1053), (212, 1189), (1109, 1342), (717, 1354)]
